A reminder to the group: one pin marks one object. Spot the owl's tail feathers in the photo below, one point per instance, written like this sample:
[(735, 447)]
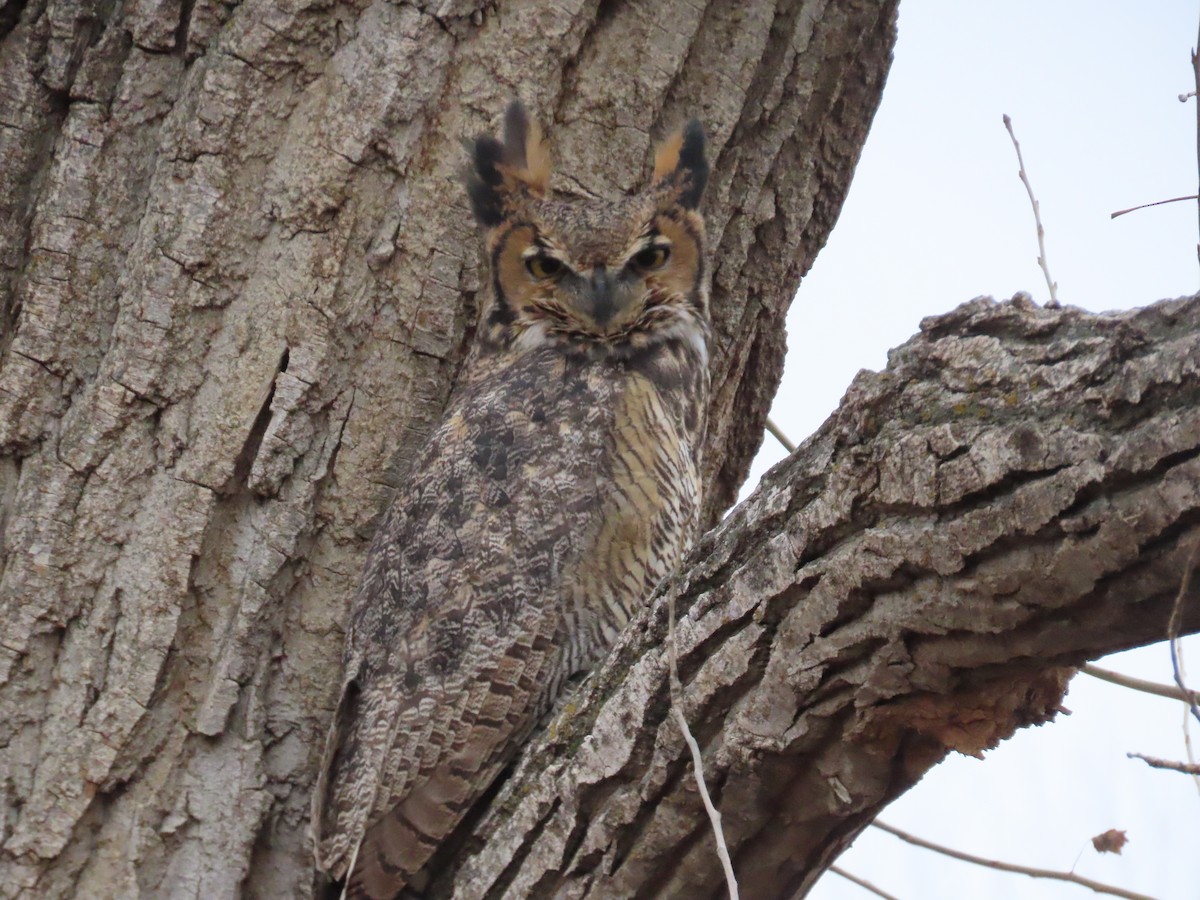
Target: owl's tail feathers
[(373, 882), (365, 859), (399, 848), (388, 858)]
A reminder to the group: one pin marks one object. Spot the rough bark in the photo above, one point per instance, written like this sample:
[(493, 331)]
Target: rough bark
[(1018, 492), (237, 279)]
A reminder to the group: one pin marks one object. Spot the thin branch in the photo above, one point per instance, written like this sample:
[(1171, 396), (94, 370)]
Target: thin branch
[(863, 883), (1187, 746), (1037, 216), (714, 817), (1121, 212), (1196, 76), (1155, 763), (1139, 684), (1175, 627), (1011, 867), (778, 434)]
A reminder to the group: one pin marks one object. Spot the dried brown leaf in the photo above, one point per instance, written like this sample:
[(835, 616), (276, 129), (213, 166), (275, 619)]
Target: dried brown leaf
[(1110, 841)]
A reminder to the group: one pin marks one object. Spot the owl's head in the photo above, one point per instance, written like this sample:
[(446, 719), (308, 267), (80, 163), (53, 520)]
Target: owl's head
[(621, 274)]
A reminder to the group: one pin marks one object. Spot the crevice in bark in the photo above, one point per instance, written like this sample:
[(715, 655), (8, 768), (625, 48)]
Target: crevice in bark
[(499, 887), (1128, 413), (1016, 477), (10, 14), (244, 461), (181, 30), (603, 14), (1169, 537), (629, 834), (698, 655), (10, 476)]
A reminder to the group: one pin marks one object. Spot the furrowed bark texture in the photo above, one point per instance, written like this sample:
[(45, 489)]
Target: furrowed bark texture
[(237, 279), (1016, 493)]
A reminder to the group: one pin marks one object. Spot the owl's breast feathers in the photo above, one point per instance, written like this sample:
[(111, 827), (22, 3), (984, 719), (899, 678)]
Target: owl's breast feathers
[(558, 490)]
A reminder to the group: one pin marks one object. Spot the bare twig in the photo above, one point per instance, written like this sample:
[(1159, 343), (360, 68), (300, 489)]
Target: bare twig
[(1037, 216), (1196, 76), (1139, 684), (863, 883), (778, 434), (1121, 212), (1187, 747), (1175, 626), (1011, 867), (1155, 763), (714, 817)]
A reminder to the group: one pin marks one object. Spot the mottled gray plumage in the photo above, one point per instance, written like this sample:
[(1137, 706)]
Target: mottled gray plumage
[(560, 487)]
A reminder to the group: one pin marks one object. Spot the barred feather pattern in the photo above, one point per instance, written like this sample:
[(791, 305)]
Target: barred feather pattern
[(551, 500), (561, 486)]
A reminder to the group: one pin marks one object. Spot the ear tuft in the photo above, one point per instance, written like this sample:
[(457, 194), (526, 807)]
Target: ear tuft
[(525, 153), (680, 161), (537, 162), (519, 164), (485, 180), (666, 157)]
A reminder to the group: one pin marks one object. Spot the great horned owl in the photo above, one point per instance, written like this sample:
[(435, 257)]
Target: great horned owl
[(560, 487)]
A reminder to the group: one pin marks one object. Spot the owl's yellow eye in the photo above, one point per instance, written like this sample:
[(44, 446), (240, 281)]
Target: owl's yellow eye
[(543, 267), (651, 258)]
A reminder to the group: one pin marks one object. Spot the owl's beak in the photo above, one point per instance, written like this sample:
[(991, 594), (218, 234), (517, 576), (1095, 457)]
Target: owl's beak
[(602, 294)]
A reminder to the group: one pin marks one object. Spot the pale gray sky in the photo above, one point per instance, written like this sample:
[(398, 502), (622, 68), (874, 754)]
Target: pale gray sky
[(936, 216)]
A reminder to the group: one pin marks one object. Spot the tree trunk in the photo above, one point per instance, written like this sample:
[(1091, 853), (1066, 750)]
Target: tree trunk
[(237, 281)]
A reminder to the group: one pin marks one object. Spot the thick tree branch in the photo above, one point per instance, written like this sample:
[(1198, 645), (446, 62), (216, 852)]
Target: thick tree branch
[(1016, 493)]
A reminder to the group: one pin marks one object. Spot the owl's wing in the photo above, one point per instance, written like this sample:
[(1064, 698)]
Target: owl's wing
[(361, 734), (469, 744), (405, 761), (456, 644)]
